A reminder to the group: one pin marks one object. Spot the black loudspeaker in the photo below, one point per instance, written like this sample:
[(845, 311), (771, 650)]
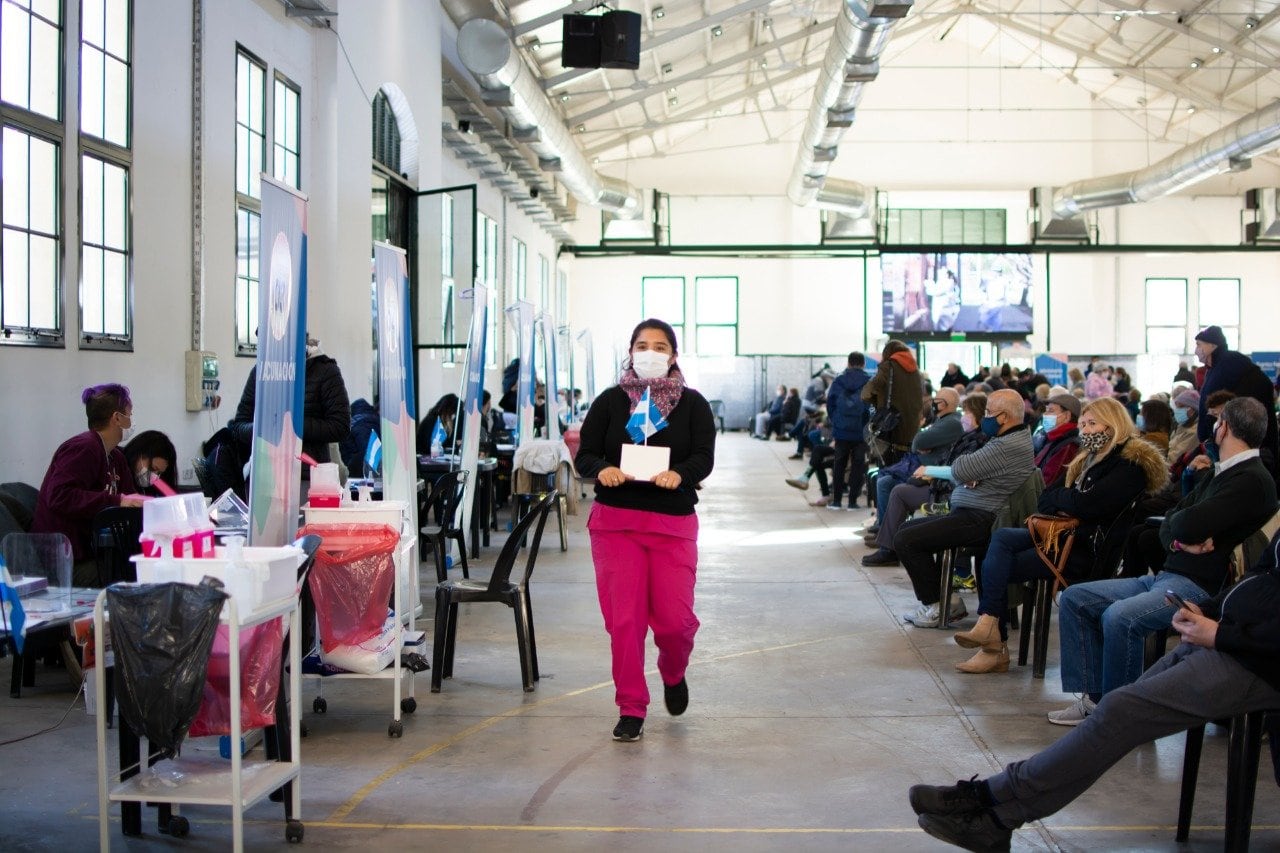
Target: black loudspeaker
[(620, 40), (581, 45)]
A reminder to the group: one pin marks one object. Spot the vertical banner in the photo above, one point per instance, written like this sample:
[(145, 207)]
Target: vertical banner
[(589, 362), (395, 378), (473, 395), (564, 340), (274, 484), (1053, 366), (521, 316), (547, 331)]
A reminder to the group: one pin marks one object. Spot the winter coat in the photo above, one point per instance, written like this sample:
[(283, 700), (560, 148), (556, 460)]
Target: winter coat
[(326, 410), (1097, 386), (365, 421), (908, 395), (844, 398)]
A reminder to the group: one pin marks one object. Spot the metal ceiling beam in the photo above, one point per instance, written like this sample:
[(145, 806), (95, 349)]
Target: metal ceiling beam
[(667, 37), (551, 17), (1162, 20), (658, 88)]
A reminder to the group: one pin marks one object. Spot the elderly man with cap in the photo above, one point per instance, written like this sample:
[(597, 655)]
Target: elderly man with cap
[(1061, 436), (1228, 370)]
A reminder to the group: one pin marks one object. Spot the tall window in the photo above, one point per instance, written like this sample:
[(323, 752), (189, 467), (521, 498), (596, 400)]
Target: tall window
[(106, 304), (286, 144), (446, 269), (716, 315), (1220, 306), (487, 271), (386, 133), (31, 62), (562, 296), (1166, 315), (544, 287), (519, 268), (251, 142), (663, 297)]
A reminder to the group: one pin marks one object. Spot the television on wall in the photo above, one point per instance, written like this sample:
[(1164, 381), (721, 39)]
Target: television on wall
[(977, 293)]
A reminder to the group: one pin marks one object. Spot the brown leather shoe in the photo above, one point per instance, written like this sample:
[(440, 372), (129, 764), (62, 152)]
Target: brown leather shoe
[(987, 661), (984, 635)]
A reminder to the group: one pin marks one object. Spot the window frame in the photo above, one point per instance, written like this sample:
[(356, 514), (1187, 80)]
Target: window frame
[(1230, 330), (699, 325), (1168, 327), (679, 327), (520, 268), (281, 81), (52, 131), (448, 284)]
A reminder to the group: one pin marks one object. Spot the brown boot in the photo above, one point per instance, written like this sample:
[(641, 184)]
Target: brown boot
[(987, 660), (984, 635)]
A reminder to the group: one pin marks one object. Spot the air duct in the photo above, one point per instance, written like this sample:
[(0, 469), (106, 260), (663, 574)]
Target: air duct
[(487, 51), (852, 60), (1229, 149)]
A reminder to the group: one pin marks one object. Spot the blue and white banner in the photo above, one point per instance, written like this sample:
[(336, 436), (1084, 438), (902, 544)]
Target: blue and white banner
[(521, 316), (395, 378), (547, 331), (473, 393), (589, 362), (15, 618), (1053, 366), (275, 484), (373, 454), (645, 420)]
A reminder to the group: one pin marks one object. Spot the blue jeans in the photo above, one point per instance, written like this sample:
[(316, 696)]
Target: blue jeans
[(884, 485), (1103, 627), (1011, 558)]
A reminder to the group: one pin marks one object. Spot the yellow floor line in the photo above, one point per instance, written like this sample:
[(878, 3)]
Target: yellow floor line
[(373, 784)]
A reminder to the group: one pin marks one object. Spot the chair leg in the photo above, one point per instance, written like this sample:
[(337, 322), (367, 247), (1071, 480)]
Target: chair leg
[(561, 504), (1242, 778), (439, 641), (1025, 631), (15, 681), (533, 640), (451, 639), (522, 642), (438, 556), (1044, 606), (948, 560), (461, 539), (1190, 773)]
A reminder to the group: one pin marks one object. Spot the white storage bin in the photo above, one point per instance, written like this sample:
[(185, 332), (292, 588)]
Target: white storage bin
[(261, 576), (390, 513)]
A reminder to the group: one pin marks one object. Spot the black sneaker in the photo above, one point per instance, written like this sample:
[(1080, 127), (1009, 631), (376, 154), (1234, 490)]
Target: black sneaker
[(628, 728), (882, 557), (676, 696), (978, 831), (963, 796)]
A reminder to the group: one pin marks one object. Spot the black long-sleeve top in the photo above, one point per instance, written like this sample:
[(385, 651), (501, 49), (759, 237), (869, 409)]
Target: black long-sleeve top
[(690, 433), (1248, 617)]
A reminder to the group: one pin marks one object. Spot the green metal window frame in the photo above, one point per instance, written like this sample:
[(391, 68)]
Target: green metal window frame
[(700, 326), (909, 226), (106, 52), (286, 141), (520, 268), (649, 298), (106, 280), (1230, 329), (386, 133), (1163, 326)]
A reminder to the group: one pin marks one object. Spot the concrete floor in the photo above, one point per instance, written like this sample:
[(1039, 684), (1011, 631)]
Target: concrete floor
[(813, 709)]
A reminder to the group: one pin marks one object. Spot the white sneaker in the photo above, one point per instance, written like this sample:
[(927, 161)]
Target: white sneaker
[(801, 483), (926, 615), (1074, 714)]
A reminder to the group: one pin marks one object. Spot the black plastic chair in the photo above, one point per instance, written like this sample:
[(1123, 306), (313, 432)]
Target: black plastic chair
[(717, 412), (1243, 754), (1037, 597), (116, 533), (446, 500), (499, 588)]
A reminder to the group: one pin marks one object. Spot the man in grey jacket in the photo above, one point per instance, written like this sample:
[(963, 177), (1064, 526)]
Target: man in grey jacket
[(984, 481)]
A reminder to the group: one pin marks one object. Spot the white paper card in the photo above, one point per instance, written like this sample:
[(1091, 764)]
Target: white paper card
[(645, 462)]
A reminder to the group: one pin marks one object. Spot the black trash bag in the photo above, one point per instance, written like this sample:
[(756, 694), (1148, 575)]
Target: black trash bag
[(162, 635)]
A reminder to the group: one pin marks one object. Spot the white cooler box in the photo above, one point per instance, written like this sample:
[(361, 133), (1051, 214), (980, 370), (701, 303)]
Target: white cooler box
[(261, 576), (390, 513)]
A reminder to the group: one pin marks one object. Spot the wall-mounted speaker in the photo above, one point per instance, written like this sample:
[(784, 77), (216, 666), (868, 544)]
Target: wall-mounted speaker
[(620, 40), (581, 41)]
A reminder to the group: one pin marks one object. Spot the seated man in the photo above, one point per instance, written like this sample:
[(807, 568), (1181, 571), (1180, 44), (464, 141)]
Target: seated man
[(984, 481), (1103, 625), (1228, 663), (1061, 436), (931, 444), (761, 425)]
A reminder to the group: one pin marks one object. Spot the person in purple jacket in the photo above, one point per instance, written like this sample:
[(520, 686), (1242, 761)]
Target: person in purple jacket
[(88, 473)]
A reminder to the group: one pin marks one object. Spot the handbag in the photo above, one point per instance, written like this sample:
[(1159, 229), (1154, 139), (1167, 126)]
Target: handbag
[(1052, 536), (887, 418)]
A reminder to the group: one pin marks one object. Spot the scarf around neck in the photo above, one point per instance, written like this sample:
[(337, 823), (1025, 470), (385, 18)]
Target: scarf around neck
[(664, 391)]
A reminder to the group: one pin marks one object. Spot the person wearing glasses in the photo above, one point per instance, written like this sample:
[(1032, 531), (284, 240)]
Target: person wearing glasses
[(87, 474)]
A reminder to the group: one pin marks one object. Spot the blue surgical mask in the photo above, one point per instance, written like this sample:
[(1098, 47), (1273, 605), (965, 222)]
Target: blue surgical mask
[(991, 426), (1180, 415), (1048, 422), (1211, 450), (1141, 423)]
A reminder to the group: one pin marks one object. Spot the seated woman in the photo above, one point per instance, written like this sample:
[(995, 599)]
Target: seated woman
[(1114, 467), (445, 411), (152, 456), (1155, 422), (88, 473)]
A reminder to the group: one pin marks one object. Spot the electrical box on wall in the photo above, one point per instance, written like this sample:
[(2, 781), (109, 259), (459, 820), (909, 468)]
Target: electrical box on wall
[(202, 380)]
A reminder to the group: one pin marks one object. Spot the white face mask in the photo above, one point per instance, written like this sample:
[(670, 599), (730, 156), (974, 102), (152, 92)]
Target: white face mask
[(649, 364), (143, 478)]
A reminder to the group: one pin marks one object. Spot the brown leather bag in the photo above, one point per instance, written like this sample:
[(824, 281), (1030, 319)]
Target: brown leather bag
[(1053, 536)]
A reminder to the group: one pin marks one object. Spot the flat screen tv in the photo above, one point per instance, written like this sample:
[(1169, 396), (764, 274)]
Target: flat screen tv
[(944, 292)]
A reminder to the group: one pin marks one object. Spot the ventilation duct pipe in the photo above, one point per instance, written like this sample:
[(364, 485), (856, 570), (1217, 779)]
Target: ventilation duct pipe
[(852, 61), (1229, 149), (488, 53)]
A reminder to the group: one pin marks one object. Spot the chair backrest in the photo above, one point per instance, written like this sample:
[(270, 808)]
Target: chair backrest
[(20, 503), (116, 532), (1020, 504), (40, 555), (536, 518), (449, 491), (717, 407), (1110, 548), (9, 523), (26, 494)]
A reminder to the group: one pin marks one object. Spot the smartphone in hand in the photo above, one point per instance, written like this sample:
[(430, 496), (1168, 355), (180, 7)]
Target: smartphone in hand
[(1173, 598)]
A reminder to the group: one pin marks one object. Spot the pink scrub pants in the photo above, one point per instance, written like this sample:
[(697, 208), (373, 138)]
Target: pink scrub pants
[(646, 564)]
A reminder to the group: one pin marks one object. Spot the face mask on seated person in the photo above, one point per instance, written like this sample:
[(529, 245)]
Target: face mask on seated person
[(991, 426), (1180, 415), (1049, 422), (1092, 442), (1141, 423), (649, 364), (143, 478)]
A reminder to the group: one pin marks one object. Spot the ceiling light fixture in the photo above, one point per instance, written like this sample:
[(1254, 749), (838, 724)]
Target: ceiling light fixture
[(1250, 23), (672, 101), (1191, 111), (666, 68), (582, 128), (767, 23), (717, 31), (659, 12), (1196, 63), (564, 97), (764, 63), (1217, 49), (1118, 16), (535, 44)]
